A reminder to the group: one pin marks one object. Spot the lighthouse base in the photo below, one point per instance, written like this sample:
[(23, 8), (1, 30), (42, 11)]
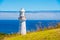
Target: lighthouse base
[(23, 28)]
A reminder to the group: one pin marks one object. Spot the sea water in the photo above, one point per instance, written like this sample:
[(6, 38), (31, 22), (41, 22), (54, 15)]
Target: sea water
[(8, 26)]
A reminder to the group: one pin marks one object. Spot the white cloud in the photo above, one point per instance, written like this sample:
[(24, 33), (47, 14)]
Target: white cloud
[(8, 16), (43, 16), (31, 16)]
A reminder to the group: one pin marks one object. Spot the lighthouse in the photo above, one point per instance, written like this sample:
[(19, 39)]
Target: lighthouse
[(22, 19)]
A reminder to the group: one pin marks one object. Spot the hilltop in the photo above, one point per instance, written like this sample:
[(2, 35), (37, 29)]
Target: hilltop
[(53, 34)]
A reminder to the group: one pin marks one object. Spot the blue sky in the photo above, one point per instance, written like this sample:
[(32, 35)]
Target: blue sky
[(15, 5), (30, 5)]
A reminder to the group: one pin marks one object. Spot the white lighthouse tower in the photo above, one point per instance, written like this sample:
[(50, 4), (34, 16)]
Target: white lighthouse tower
[(22, 19)]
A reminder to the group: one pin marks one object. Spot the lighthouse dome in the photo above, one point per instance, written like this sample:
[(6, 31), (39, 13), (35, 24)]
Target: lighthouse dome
[(22, 10)]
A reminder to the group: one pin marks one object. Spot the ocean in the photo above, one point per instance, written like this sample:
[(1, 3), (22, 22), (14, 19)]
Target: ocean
[(8, 26)]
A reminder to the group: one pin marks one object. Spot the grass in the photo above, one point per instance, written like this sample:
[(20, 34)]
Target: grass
[(53, 34)]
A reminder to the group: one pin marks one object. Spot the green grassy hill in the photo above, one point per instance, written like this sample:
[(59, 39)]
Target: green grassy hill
[(53, 34)]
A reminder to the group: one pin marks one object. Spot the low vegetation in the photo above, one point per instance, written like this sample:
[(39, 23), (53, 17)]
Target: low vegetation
[(2, 35), (53, 34), (39, 27)]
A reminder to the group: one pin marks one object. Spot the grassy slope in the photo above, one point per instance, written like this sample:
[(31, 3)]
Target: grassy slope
[(53, 34)]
